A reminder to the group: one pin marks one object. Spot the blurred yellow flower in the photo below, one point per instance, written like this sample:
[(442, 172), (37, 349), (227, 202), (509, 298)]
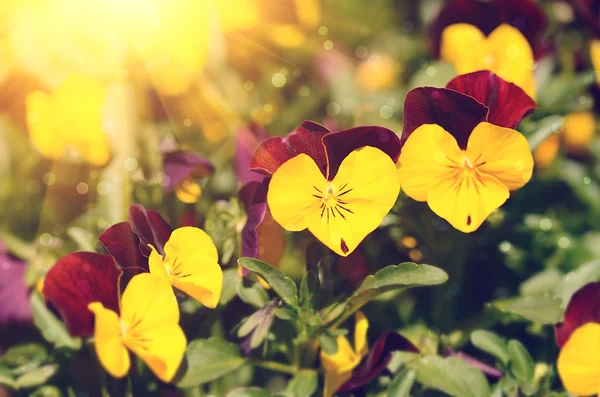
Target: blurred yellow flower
[(378, 72), (546, 152), (464, 186), (69, 118), (578, 132), (338, 367), (148, 326), (505, 52), (190, 265), (579, 361), (595, 55)]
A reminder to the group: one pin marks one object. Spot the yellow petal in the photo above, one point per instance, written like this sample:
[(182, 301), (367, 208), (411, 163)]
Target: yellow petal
[(308, 12), (467, 198), (107, 340), (595, 55), (546, 152), (191, 262), (502, 153), (578, 131), (429, 154), (334, 380), (292, 192), (236, 15), (360, 334), (156, 263), (148, 302), (363, 191), (188, 191), (338, 367), (43, 135), (162, 348), (579, 361), (463, 46)]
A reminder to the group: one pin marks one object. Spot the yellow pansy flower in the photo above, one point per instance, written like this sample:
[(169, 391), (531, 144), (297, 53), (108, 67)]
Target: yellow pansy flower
[(579, 361), (69, 118), (505, 52), (579, 129), (338, 185), (190, 264), (338, 367), (147, 326)]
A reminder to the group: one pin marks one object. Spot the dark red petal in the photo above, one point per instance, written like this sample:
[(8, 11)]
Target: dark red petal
[(179, 165), (150, 227), (583, 308), (455, 112), (508, 103), (254, 197), (247, 140), (525, 15), (340, 144), (273, 152), (14, 294), (377, 359), (77, 280), (124, 245)]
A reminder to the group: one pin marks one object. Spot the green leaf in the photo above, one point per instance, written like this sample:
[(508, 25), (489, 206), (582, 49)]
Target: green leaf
[(451, 375), (231, 281), (540, 283), (434, 74), (491, 343), (576, 279), (23, 356), (249, 392), (36, 377), (309, 291), (521, 363), (303, 384), (47, 391), (328, 342), (207, 360), (543, 130), (401, 385), (281, 284), (254, 295), (538, 309), (52, 329), (6, 379)]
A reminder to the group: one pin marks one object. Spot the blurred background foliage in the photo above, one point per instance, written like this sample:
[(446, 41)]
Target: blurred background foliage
[(190, 74)]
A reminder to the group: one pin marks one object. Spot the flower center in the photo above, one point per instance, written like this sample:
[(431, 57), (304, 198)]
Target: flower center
[(332, 201)]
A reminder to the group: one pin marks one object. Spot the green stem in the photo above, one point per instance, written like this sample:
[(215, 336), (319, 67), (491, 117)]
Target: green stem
[(275, 366)]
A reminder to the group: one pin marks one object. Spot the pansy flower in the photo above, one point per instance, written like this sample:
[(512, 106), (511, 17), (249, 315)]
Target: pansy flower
[(352, 367), (338, 185), (69, 119), (525, 15), (578, 337), (186, 257), (505, 51), (14, 293), (182, 169), (146, 323), (460, 152)]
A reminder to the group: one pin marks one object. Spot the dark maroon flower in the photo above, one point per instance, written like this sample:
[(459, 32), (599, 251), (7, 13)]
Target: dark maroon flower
[(77, 280), (525, 15), (14, 293), (128, 241), (247, 140), (455, 112), (254, 197), (326, 148), (508, 104), (583, 308), (181, 165), (377, 359)]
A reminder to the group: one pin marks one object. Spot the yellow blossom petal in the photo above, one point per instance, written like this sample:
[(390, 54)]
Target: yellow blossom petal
[(191, 265), (505, 52), (502, 153), (236, 15), (340, 213), (579, 130), (360, 334), (546, 152), (107, 341), (595, 55), (579, 361), (429, 155), (188, 191), (149, 317)]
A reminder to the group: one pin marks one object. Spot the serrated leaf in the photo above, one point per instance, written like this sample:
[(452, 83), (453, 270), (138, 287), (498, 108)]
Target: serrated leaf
[(451, 375), (401, 385), (521, 362), (538, 309), (51, 328), (303, 384), (491, 343), (207, 360), (279, 282)]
